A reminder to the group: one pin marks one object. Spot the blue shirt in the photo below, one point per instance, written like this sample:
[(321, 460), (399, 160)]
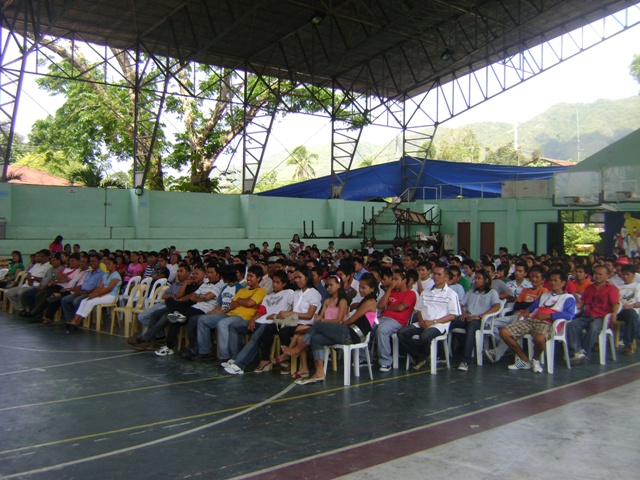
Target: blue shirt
[(92, 279)]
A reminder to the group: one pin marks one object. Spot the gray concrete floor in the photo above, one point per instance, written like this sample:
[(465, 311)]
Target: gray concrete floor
[(594, 438)]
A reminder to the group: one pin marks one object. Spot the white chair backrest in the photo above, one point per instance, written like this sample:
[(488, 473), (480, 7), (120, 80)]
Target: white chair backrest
[(3, 272), (146, 281), (133, 281), (152, 291)]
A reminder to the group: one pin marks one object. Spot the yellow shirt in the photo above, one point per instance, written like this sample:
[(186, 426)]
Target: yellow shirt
[(257, 294)]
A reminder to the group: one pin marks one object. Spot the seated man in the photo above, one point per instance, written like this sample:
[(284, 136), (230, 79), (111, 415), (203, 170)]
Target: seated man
[(241, 309), (520, 281), (92, 278), (230, 286), (190, 306), (599, 299), (152, 264), (161, 270), (504, 292), (152, 315), (538, 320), (263, 327), (34, 276), (397, 305), (523, 301), (630, 299), (435, 310)]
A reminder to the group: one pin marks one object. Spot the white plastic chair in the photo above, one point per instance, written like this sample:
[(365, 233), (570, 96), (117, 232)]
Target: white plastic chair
[(486, 329), (433, 352), (124, 296), (606, 332), (559, 335), (161, 282), (346, 354)]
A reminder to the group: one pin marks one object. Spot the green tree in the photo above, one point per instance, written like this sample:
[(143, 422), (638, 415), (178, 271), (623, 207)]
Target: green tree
[(576, 234), (507, 155), (95, 125), (634, 68), (303, 160), (458, 145), (367, 161)]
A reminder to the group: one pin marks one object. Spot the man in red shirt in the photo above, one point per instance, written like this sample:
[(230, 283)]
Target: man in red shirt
[(599, 299), (397, 303)]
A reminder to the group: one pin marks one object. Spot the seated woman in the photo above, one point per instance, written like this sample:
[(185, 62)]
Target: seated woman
[(306, 302), (350, 331), (15, 267), (334, 310), (479, 301), (105, 292)]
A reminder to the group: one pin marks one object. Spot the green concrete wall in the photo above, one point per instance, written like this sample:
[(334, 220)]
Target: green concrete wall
[(111, 218)]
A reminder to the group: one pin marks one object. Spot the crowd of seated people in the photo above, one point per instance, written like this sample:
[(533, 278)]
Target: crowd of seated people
[(233, 305)]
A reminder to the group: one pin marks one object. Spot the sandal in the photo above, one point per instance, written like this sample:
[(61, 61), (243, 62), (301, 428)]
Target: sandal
[(300, 375)]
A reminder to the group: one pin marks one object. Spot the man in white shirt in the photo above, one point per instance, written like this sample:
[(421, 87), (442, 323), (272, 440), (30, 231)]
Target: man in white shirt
[(435, 309), (34, 277)]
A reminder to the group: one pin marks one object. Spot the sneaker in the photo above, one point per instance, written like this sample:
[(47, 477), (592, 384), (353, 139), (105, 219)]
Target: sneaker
[(176, 317), (164, 352), (385, 368), (578, 358), (420, 364), (463, 367), (233, 369), (535, 366), (226, 363), (520, 365), (490, 355)]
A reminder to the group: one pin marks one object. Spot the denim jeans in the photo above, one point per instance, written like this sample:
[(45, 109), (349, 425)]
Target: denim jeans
[(229, 339), (470, 338), (205, 324), (145, 316), (386, 328), (70, 304), (582, 333), (630, 319), (324, 334)]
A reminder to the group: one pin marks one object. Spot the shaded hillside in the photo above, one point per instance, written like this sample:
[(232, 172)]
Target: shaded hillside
[(555, 132)]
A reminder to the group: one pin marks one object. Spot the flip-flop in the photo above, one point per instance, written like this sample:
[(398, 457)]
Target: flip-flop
[(300, 375)]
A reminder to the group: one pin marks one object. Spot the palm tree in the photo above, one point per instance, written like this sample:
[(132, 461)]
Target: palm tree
[(302, 159)]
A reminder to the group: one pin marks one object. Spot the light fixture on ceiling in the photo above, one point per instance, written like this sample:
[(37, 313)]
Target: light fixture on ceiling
[(317, 18), (447, 55)]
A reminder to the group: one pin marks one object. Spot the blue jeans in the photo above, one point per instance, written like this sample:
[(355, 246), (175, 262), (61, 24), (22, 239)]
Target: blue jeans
[(70, 304), (229, 339), (250, 350), (325, 334), (470, 338), (145, 316), (387, 326), (205, 324), (582, 333)]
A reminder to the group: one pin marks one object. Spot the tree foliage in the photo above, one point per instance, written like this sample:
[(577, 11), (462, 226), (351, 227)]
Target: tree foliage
[(303, 161), (458, 145), (634, 68), (95, 125), (576, 234)]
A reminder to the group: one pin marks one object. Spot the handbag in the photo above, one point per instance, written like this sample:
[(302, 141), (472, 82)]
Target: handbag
[(288, 321)]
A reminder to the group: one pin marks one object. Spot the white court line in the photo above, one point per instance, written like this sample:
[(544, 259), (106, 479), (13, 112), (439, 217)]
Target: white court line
[(46, 367), (153, 442), (12, 347)]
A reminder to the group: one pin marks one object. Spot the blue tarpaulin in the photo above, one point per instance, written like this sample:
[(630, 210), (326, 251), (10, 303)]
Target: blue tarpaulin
[(439, 179)]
